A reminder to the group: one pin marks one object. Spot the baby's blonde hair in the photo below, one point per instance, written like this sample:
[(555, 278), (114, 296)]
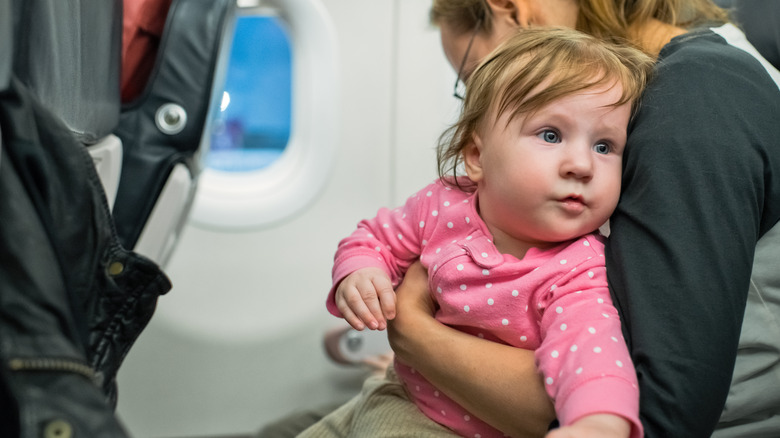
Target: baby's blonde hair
[(567, 61)]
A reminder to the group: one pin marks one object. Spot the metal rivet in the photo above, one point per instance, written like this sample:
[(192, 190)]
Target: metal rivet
[(170, 118), (354, 341), (116, 268), (58, 429)]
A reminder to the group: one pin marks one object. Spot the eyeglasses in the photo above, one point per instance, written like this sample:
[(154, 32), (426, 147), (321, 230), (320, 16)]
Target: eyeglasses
[(459, 90)]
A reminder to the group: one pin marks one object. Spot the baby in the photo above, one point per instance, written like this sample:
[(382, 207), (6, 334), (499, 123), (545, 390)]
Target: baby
[(512, 247)]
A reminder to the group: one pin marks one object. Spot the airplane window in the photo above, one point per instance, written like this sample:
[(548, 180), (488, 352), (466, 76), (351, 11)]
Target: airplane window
[(272, 133), (252, 128)]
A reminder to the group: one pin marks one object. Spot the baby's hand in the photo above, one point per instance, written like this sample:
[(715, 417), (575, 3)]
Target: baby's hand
[(594, 426), (366, 298)]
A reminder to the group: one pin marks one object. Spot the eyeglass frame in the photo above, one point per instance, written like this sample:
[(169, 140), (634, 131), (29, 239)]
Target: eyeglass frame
[(463, 62)]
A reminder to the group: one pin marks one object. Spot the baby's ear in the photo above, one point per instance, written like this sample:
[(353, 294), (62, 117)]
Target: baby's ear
[(472, 158)]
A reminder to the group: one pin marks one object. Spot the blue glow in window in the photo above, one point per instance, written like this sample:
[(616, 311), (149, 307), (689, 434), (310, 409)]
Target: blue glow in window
[(253, 127)]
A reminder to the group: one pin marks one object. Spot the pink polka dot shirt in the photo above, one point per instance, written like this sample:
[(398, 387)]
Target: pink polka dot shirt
[(553, 301)]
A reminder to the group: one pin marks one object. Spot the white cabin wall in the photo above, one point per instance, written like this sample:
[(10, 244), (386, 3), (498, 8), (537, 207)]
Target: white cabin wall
[(424, 102), (238, 341)]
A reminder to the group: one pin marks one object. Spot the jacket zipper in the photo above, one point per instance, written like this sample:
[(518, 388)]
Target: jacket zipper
[(53, 365)]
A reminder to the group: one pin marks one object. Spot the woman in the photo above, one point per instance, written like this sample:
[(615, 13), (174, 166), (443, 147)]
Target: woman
[(701, 197)]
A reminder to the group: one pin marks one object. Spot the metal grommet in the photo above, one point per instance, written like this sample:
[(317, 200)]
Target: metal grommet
[(170, 118), (58, 429), (115, 268)]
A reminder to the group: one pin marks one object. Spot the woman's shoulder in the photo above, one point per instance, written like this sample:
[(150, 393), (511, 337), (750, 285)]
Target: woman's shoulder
[(703, 79), (700, 43), (704, 57)]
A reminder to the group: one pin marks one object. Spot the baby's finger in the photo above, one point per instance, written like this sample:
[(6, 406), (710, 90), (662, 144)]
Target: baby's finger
[(358, 305), (349, 302), (386, 294), (371, 303), (352, 319)]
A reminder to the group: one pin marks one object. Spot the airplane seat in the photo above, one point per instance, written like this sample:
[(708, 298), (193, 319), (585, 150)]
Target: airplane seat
[(760, 20), (73, 297), (74, 71), (72, 300), (164, 129)]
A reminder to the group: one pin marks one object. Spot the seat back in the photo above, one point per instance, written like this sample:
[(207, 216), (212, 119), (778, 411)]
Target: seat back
[(760, 20), (163, 130)]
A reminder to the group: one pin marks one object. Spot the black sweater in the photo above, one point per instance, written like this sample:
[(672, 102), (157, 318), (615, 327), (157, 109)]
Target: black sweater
[(701, 185)]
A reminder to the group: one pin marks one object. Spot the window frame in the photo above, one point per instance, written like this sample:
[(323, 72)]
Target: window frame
[(260, 198)]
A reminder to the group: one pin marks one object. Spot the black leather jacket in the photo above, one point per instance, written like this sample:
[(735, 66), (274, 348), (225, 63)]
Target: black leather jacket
[(72, 300)]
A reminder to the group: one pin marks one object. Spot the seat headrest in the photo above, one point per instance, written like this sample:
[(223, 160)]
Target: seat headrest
[(68, 54), (760, 20)]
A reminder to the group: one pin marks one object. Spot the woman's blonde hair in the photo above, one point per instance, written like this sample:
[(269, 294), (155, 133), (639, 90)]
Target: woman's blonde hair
[(462, 15), (611, 19), (606, 19), (508, 80)]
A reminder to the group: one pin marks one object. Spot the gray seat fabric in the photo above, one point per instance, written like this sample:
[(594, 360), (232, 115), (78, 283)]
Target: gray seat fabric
[(68, 54), (760, 20)]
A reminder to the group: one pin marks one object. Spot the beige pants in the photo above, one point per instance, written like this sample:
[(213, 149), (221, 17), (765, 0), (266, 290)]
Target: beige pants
[(381, 410)]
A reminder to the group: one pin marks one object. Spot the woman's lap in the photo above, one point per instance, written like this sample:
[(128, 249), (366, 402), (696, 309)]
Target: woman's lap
[(381, 410)]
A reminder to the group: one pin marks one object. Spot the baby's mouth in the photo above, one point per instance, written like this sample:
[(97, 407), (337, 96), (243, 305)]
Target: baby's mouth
[(574, 198), (575, 203)]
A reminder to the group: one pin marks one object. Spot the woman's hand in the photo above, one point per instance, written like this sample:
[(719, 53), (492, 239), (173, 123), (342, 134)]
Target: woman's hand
[(498, 383), (414, 306), (594, 426)]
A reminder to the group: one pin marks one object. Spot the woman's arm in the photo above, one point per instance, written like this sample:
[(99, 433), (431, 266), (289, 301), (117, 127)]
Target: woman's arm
[(697, 184), (497, 383)]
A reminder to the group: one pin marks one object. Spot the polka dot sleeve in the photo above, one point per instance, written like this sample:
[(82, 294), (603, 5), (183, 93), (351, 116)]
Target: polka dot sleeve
[(583, 357), (391, 241)]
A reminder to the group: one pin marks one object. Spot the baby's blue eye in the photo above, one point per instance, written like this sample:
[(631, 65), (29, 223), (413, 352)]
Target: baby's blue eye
[(549, 136), (601, 148)]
